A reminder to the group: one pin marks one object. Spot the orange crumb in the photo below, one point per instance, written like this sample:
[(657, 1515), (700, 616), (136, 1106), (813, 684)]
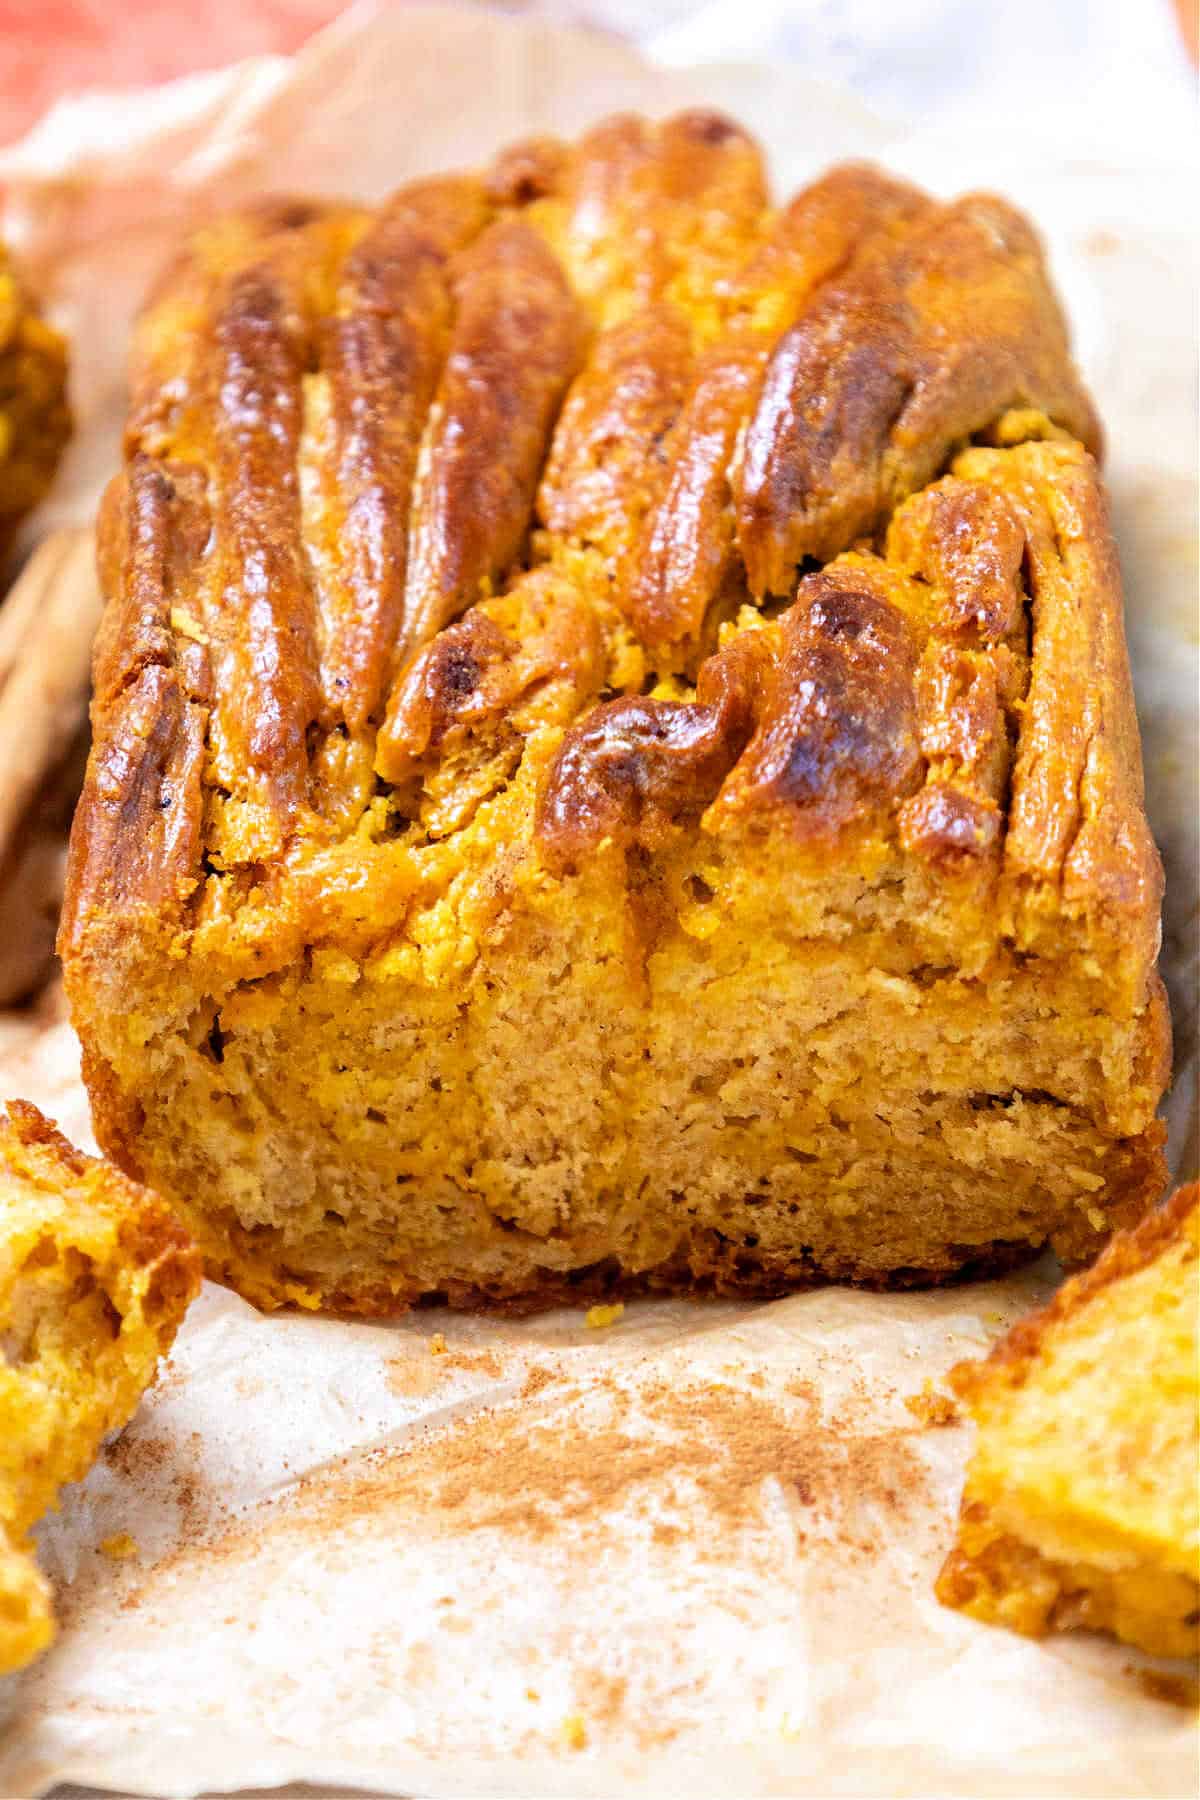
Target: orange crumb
[(574, 1732), (119, 1546), (932, 1406), (598, 1318)]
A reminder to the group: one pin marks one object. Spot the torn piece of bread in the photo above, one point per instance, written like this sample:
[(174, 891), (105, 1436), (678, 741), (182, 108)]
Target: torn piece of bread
[(35, 419), (95, 1276), (507, 865), (1082, 1502)]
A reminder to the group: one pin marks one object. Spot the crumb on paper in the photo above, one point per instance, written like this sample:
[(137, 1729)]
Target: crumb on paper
[(574, 1732), (532, 1694), (932, 1406), (598, 1318), (119, 1546), (1173, 1690), (437, 1344)]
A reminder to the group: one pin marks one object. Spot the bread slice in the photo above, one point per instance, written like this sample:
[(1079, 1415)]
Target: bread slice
[(508, 865), (95, 1276), (1082, 1502)]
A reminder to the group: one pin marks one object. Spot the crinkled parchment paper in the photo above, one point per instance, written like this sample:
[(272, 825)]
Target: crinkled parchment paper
[(691, 1553)]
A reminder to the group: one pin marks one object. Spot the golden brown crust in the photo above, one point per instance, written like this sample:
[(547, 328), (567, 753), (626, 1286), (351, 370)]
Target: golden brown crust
[(965, 542), (707, 1268), (687, 546), (904, 698), (531, 169), (1077, 821), (517, 340), (837, 743), (265, 605), (1002, 1581), (537, 645), (383, 351), (648, 207), (657, 222), (258, 615), (633, 770), (931, 341), (601, 472), (138, 835)]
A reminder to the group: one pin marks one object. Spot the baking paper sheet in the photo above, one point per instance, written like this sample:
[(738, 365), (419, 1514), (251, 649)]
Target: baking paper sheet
[(691, 1553)]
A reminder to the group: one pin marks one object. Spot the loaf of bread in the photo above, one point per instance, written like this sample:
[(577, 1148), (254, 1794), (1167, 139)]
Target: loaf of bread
[(35, 420), (95, 1276), (1082, 1504), (614, 755)]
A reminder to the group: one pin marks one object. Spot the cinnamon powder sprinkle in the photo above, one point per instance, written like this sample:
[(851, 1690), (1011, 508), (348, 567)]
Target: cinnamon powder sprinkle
[(517, 1470), (601, 1696), (685, 1455), (415, 1374)]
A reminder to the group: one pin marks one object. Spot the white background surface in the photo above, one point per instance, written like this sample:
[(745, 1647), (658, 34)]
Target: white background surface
[(1083, 71)]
